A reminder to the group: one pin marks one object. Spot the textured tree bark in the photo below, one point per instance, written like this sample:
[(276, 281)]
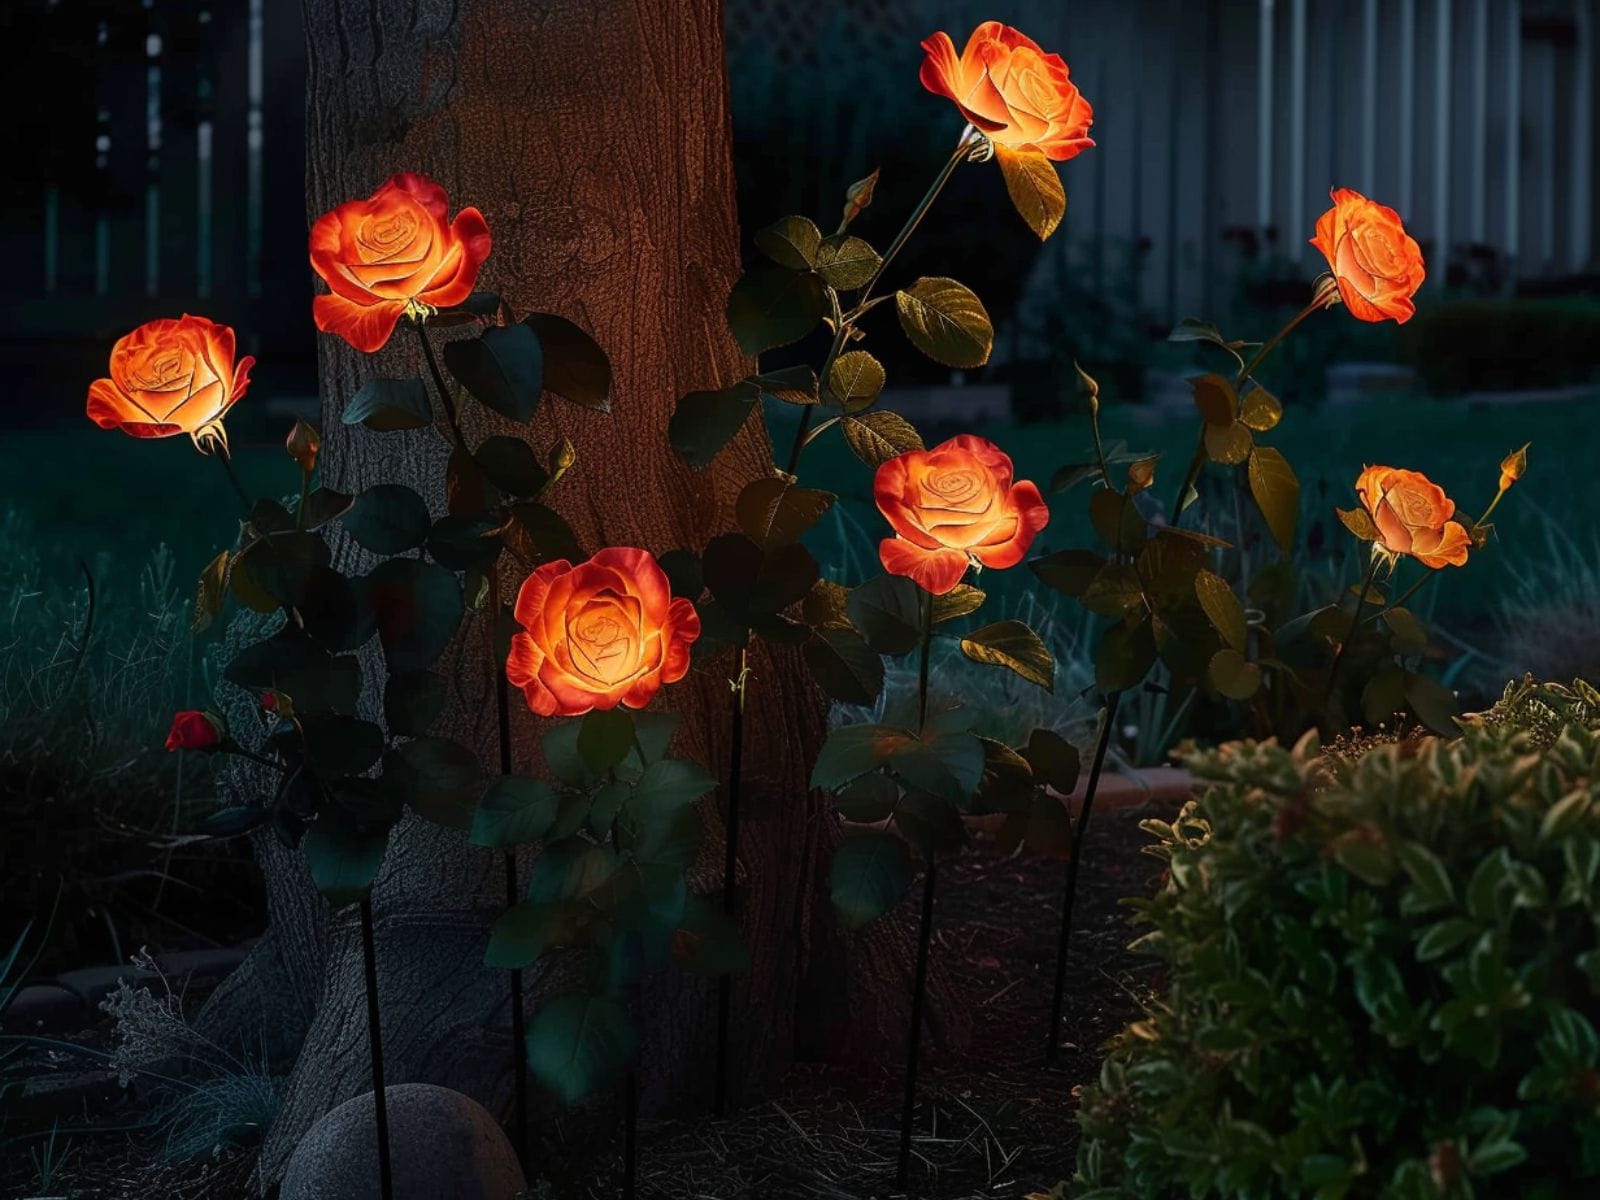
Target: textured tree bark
[(593, 135)]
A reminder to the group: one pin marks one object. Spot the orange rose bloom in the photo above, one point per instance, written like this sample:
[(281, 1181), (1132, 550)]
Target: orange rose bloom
[(170, 377), (605, 632), (391, 250), (1377, 263), (1412, 514), (1018, 95), (952, 506)]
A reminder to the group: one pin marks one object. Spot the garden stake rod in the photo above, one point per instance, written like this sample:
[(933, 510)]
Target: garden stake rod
[(730, 858), (519, 1056), (919, 986), (375, 1042), (1052, 1047)]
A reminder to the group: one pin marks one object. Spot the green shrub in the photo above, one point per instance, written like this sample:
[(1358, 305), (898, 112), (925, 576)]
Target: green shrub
[(1479, 345), (1377, 973)]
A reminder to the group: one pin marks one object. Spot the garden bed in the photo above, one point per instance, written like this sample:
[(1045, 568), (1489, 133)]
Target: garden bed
[(991, 1120)]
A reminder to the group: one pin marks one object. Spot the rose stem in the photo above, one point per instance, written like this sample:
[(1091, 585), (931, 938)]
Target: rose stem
[(503, 713), (1355, 623), (375, 1042), (226, 460), (730, 856), (439, 385), (919, 986), (630, 1084), (1080, 829), (964, 145), (1198, 458)]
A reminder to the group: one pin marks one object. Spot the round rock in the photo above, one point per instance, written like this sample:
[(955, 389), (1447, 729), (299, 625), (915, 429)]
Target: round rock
[(441, 1144)]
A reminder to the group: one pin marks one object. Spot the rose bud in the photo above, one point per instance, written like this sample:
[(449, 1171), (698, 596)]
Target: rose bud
[(303, 444), (195, 730), (1514, 466)]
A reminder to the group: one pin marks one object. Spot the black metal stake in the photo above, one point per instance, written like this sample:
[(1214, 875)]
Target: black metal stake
[(519, 1054), (730, 867), (914, 1041), (1078, 831), (630, 1135), (375, 1042)]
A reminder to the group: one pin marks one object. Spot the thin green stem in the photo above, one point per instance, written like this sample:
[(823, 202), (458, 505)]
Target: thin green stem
[(1355, 623), (445, 396), (305, 490), (922, 661), (730, 865), (226, 459)]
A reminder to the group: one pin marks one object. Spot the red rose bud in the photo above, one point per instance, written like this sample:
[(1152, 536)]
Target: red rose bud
[(195, 731), (303, 443)]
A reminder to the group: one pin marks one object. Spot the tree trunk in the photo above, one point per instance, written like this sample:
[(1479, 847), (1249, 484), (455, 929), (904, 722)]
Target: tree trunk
[(594, 136)]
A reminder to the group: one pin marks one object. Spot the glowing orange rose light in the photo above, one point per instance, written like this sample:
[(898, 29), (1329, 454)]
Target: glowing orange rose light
[(1009, 88), (390, 253), (952, 506), (169, 377), (1413, 514), (1377, 263), (605, 632), (194, 730)]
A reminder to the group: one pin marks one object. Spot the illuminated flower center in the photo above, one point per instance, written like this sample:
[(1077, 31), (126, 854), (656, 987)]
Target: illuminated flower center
[(162, 370), (389, 234), (956, 486), (601, 640), (1414, 507)]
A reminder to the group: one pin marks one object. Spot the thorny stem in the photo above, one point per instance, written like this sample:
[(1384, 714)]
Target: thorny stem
[(369, 956), (220, 451), (844, 323), (730, 863)]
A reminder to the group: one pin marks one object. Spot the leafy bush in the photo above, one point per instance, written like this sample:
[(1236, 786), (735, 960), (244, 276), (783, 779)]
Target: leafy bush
[(1380, 973), (1475, 345)]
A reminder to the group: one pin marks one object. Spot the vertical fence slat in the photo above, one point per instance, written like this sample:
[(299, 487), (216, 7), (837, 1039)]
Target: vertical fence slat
[(179, 29)]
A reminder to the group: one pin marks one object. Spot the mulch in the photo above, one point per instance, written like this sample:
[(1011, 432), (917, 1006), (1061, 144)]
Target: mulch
[(991, 1120)]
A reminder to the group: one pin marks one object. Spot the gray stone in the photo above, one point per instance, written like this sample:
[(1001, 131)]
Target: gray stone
[(443, 1146)]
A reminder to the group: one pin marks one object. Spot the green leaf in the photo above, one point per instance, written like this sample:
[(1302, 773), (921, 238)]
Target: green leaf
[(771, 307), (1011, 644), (338, 744), (946, 321), (704, 422), (792, 385), (1115, 591), (1434, 704), (291, 663), (1125, 657), (844, 666), (1384, 695), (209, 593), (671, 783), (440, 779), (791, 242), (962, 601), (503, 368), (853, 750), (388, 518), (1359, 522), (466, 542), (577, 1043), (1222, 608), (867, 800), (846, 263), (869, 874), (1068, 571), (1232, 675), (575, 367), (682, 569), (511, 465), (752, 582), (1409, 635), (324, 505), (418, 607), (390, 404), (950, 766), (855, 380), (1215, 399), (343, 862), (604, 738), (1444, 936), (1277, 494), (520, 935), (547, 532), (412, 702), (1228, 445), (1116, 519), (878, 436), (887, 609), (1034, 186), (513, 810), (1431, 886), (1260, 409), (774, 512), (282, 565), (1043, 826), (1054, 760)]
